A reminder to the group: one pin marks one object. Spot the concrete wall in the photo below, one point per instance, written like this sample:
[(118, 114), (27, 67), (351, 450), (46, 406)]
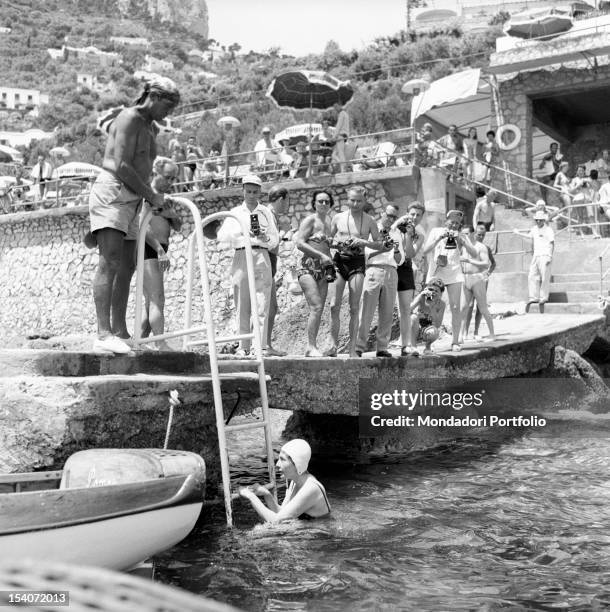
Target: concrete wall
[(46, 272)]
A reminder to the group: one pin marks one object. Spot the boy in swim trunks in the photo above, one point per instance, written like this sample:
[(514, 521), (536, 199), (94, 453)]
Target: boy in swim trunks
[(427, 314), (351, 230), (114, 206)]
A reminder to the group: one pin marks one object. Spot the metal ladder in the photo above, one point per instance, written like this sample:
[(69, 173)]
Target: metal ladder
[(196, 246)]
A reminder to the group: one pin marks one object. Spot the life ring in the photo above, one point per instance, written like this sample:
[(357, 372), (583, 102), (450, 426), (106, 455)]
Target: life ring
[(508, 127)]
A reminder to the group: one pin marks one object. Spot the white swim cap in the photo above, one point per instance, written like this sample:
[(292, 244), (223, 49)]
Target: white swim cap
[(300, 453)]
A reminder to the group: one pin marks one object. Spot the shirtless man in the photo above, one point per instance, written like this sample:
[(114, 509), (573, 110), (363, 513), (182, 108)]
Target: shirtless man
[(475, 282), (351, 230), (484, 211), (115, 202)]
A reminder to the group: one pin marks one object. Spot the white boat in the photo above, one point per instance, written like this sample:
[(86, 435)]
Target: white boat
[(113, 508)]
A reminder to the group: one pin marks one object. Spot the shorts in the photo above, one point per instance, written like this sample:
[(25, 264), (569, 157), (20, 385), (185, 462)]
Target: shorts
[(150, 253), (406, 279), (348, 264), (112, 205), (311, 266), (470, 280), (273, 262), (425, 321)]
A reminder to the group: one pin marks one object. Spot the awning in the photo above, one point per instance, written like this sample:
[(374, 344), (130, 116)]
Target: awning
[(462, 98)]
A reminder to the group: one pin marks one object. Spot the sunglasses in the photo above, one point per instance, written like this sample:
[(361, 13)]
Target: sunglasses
[(324, 201)]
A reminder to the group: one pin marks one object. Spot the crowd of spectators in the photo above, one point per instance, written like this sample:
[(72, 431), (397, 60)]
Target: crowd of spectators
[(383, 262)]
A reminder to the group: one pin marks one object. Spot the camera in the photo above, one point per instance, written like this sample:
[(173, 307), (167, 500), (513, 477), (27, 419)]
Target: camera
[(405, 225), (255, 225), (388, 243), (428, 295), (330, 274), (451, 242)]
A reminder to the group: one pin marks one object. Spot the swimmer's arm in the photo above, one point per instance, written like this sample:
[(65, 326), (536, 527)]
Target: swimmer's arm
[(126, 130)]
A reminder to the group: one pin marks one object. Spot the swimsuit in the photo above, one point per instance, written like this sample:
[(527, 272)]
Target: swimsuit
[(312, 265), (406, 279), (305, 516)]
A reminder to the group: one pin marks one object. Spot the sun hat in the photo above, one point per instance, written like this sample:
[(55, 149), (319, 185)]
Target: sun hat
[(540, 215), (251, 179), (454, 213), (266, 129)]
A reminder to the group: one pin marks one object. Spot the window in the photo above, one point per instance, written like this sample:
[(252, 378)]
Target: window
[(30, 98)]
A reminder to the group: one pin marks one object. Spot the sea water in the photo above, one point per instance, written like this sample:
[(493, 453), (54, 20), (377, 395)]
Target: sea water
[(516, 519)]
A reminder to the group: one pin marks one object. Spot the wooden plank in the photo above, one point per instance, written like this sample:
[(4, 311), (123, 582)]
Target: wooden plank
[(30, 477)]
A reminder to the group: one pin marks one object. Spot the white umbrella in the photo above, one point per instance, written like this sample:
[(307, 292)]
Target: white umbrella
[(300, 131), (76, 169), (228, 120), (60, 152), (415, 86)]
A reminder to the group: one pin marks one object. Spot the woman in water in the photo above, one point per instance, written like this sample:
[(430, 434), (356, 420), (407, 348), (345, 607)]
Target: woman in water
[(317, 268), (305, 495)]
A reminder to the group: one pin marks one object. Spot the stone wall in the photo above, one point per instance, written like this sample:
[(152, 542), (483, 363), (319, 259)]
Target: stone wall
[(516, 107), (46, 272)]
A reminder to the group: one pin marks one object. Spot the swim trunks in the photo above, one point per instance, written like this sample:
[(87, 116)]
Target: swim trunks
[(406, 279), (312, 266), (470, 280), (349, 263), (150, 253), (424, 321), (112, 205)]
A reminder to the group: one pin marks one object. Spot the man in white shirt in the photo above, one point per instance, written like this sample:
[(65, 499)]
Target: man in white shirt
[(263, 237), (380, 285), (267, 150), (41, 173), (539, 277)]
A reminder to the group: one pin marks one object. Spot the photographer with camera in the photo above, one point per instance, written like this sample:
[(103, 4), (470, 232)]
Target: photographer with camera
[(380, 284), (263, 237), (317, 268), (428, 309), (351, 231), (410, 272), (446, 245)]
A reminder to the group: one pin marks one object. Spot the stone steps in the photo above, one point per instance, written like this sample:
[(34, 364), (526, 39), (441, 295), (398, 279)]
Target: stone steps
[(569, 308), (573, 296)]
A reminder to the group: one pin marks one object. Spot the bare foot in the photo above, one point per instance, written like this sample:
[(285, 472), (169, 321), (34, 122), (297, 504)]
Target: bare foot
[(313, 352), (331, 352)]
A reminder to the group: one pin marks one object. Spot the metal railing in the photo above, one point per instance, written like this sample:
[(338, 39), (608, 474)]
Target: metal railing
[(197, 250)]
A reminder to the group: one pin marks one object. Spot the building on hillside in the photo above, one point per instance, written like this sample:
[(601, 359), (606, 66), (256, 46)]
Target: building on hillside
[(196, 56), (131, 41), (86, 80), (559, 88), (105, 58), (154, 64), (17, 98), (6, 30), (18, 139)]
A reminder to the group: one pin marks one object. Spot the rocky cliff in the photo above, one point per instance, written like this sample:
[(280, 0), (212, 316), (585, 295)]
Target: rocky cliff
[(192, 14)]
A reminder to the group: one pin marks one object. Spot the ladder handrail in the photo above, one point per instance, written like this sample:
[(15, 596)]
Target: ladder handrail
[(197, 238)]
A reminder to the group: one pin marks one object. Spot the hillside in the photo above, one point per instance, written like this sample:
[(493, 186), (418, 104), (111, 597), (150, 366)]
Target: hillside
[(377, 71)]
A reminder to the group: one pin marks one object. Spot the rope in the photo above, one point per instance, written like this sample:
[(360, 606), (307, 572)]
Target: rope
[(173, 401)]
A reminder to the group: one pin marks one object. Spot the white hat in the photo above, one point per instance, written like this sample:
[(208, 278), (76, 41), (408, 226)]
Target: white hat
[(251, 179), (300, 452), (540, 215)]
